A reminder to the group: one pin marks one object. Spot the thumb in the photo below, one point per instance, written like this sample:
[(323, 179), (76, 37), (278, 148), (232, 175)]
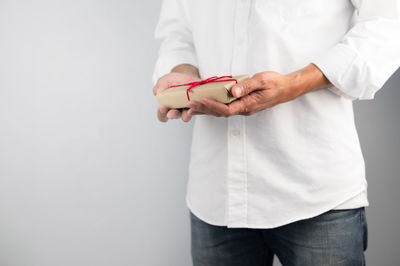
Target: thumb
[(161, 85), (245, 87)]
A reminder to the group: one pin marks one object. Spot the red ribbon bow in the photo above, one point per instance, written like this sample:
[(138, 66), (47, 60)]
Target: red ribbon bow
[(205, 81)]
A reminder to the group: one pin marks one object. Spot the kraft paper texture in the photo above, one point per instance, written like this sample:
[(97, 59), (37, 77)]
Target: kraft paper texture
[(219, 91)]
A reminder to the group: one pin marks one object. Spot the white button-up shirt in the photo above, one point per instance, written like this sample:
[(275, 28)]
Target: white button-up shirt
[(300, 158)]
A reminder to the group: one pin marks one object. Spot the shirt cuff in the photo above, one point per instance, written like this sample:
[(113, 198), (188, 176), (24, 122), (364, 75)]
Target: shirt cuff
[(166, 62), (344, 68)]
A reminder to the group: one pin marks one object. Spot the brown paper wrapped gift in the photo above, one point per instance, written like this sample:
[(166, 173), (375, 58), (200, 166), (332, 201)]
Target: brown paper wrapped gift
[(218, 90)]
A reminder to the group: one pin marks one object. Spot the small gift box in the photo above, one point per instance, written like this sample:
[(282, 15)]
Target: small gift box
[(216, 88)]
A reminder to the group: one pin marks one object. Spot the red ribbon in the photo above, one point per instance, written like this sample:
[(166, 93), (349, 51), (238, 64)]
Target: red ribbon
[(205, 81)]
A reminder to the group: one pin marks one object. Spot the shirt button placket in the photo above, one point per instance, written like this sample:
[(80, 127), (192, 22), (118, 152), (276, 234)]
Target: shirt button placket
[(236, 212)]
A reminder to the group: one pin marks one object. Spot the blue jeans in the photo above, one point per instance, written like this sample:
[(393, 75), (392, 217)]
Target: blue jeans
[(335, 238)]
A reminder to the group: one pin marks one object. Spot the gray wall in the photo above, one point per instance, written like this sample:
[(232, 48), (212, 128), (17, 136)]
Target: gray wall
[(87, 174)]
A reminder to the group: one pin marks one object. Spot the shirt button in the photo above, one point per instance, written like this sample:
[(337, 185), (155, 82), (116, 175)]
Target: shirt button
[(235, 132)]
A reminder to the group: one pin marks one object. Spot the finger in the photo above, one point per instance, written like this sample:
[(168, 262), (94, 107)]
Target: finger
[(173, 114), (245, 104), (215, 107), (161, 85), (206, 110), (192, 112), (251, 112), (259, 107), (162, 113), (200, 107), (156, 87), (246, 87), (186, 116)]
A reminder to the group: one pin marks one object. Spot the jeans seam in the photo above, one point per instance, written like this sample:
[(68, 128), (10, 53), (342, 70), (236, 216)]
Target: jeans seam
[(364, 229)]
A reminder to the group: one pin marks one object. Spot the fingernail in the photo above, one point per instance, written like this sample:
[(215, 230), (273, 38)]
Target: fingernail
[(238, 91)]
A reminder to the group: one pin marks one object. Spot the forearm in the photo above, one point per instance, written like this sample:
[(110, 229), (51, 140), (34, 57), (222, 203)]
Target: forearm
[(186, 69), (307, 79)]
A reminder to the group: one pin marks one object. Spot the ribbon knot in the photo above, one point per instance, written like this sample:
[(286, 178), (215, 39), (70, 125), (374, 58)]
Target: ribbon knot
[(205, 81)]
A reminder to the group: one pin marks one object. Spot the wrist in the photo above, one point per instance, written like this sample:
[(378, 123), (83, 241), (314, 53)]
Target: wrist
[(308, 79)]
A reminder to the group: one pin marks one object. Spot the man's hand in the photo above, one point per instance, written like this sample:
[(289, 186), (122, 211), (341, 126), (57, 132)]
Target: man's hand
[(180, 74), (264, 90)]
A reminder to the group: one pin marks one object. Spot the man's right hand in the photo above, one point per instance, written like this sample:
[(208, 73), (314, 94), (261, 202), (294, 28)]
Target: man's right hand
[(180, 74)]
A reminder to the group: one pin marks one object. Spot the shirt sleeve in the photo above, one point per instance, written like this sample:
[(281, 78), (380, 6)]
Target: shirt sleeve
[(174, 32), (368, 54)]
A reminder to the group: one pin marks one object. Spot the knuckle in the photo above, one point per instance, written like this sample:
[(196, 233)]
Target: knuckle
[(245, 105), (230, 112), (246, 89), (201, 108), (258, 75)]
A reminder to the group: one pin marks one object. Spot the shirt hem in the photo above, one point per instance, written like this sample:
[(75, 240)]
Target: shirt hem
[(274, 225)]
